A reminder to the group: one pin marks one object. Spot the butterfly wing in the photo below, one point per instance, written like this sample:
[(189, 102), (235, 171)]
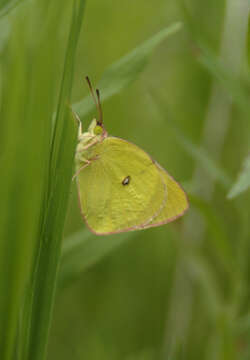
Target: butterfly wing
[(124, 189), (176, 204)]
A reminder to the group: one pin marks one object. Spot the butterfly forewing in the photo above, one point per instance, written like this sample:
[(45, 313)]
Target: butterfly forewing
[(126, 189)]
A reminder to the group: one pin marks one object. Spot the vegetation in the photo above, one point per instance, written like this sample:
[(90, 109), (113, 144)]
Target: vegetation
[(174, 79)]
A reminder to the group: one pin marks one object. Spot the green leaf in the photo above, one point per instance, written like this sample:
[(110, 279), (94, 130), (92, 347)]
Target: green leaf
[(196, 152), (236, 89), (4, 33), (243, 182), (126, 70), (39, 300), (145, 354), (200, 155), (204, 275), (84, 249), (219, 238), (8, 6), (23, 183)]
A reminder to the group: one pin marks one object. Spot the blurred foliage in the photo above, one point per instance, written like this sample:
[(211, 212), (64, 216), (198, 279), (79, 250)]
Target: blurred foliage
[(243, 182), (181, 92)]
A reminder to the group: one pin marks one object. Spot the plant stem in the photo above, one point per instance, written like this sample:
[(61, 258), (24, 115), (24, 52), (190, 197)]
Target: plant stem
[(233, 54)]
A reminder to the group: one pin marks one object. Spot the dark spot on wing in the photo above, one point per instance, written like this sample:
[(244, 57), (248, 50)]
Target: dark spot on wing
[(126, 180)]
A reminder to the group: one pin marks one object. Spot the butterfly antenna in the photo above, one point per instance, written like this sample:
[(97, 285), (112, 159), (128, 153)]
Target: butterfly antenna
[(99, 107), (97, 103), (91, 90)]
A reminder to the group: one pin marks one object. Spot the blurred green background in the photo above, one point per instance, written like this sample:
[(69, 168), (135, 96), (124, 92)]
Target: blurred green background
[(180, 291)]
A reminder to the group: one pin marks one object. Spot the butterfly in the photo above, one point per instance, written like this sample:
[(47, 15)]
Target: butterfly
[(121, 188)]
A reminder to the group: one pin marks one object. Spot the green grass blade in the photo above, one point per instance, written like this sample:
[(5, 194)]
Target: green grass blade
[(198, 153), (219, 238), (84, 249), (7, 6), (43, 283), (203, 273), (236, 89), (4, 33), (24, 146), (145, 354), (126, 70), (221, 67), (201, 156), (243, 181)]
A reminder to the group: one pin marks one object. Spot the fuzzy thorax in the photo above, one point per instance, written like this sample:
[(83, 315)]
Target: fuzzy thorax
[(86, 140)]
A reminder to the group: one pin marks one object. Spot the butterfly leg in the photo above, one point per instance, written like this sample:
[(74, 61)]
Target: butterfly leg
[(87, 163), (90, 144), (80, 127), (78, 121)]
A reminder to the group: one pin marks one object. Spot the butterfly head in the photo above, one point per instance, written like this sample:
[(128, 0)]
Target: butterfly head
[(95, 134), (96, 128)]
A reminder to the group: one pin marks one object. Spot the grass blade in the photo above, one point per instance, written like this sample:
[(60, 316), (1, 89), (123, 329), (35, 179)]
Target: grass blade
[(198, 153), (84, 249), (236, 89), (23, 184), (126, 70), (7, 6), (39, 303), (219, 238), (243, 181)]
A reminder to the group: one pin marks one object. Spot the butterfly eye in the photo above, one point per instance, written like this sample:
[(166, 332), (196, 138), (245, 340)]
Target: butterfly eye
[(98, 130), (126, 180)]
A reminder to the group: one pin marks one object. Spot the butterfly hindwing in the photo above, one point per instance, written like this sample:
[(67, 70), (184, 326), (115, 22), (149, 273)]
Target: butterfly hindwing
[(176, 204)]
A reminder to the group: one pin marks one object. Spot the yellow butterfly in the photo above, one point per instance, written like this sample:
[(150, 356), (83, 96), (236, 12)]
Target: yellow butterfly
[(121, 188)]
